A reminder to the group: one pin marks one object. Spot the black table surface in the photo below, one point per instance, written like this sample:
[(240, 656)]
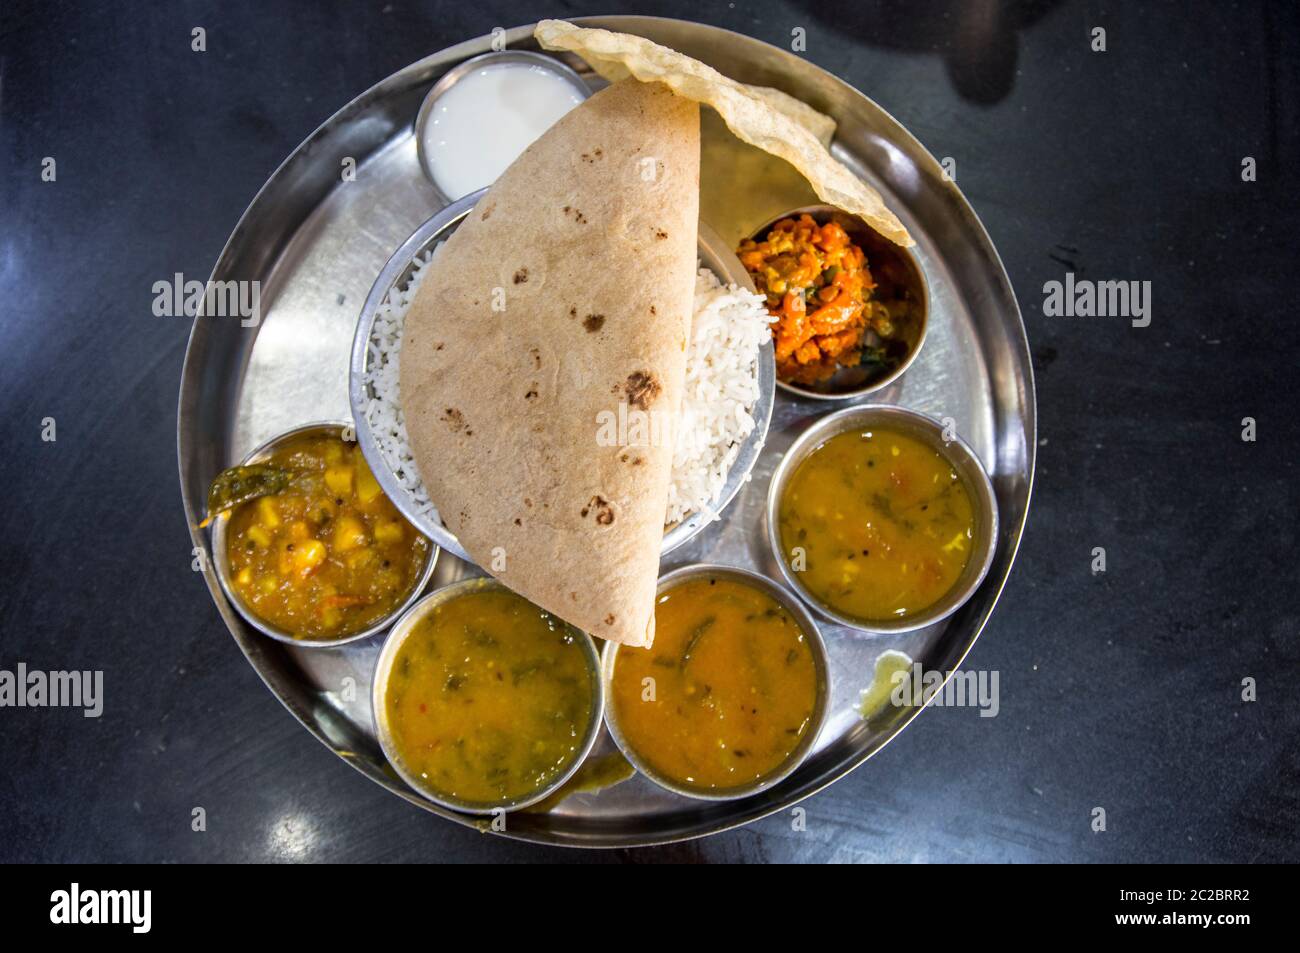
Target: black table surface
[(1121, 690)]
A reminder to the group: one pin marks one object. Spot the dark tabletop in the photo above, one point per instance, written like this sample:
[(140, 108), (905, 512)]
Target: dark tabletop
[(1120, 690)]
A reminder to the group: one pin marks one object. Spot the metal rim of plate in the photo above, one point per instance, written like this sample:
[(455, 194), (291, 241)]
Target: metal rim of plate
[(976, 364), (714, 255)]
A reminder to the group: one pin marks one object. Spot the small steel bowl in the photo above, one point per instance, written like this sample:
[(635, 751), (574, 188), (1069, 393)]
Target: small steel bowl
[(890, 265), (459, 72), (383, 731), (807, 623), (221, 560), (714, 254), (956, 451)]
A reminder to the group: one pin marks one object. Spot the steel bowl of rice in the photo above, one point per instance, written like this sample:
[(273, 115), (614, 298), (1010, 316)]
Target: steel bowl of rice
[(727, 400)]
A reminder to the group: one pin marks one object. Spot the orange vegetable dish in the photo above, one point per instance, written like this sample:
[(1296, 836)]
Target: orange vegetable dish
[(818, 289)]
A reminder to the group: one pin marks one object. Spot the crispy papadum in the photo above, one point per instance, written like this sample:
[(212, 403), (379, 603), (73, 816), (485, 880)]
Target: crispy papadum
[(766, 118)]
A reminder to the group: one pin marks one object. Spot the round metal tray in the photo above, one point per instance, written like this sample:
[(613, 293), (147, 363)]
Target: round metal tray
[(316, 241)]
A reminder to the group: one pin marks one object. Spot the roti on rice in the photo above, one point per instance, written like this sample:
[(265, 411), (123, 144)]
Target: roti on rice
[(543, 359)]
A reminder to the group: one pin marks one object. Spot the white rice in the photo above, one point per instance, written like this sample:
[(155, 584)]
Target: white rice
[(384, 412), (730, 325)]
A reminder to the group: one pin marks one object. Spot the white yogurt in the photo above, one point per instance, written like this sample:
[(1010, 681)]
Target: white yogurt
[(487, 118)]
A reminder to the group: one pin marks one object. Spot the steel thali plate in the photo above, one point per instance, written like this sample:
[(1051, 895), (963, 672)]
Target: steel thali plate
[(316, 243)]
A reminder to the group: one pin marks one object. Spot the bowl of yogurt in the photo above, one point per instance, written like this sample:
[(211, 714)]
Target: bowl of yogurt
[(484, 112)]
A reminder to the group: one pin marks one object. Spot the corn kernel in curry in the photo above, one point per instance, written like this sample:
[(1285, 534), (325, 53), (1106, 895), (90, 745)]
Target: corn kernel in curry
[(330, 555)]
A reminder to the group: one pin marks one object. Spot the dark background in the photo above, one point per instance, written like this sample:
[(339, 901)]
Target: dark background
[(1120, 690)]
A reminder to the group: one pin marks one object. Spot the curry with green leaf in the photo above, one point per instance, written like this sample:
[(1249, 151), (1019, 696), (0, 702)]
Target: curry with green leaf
[(489, 698), (726, 693)]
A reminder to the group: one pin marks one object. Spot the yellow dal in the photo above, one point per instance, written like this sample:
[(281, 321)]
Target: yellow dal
[(489, 698), (884, 522)]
